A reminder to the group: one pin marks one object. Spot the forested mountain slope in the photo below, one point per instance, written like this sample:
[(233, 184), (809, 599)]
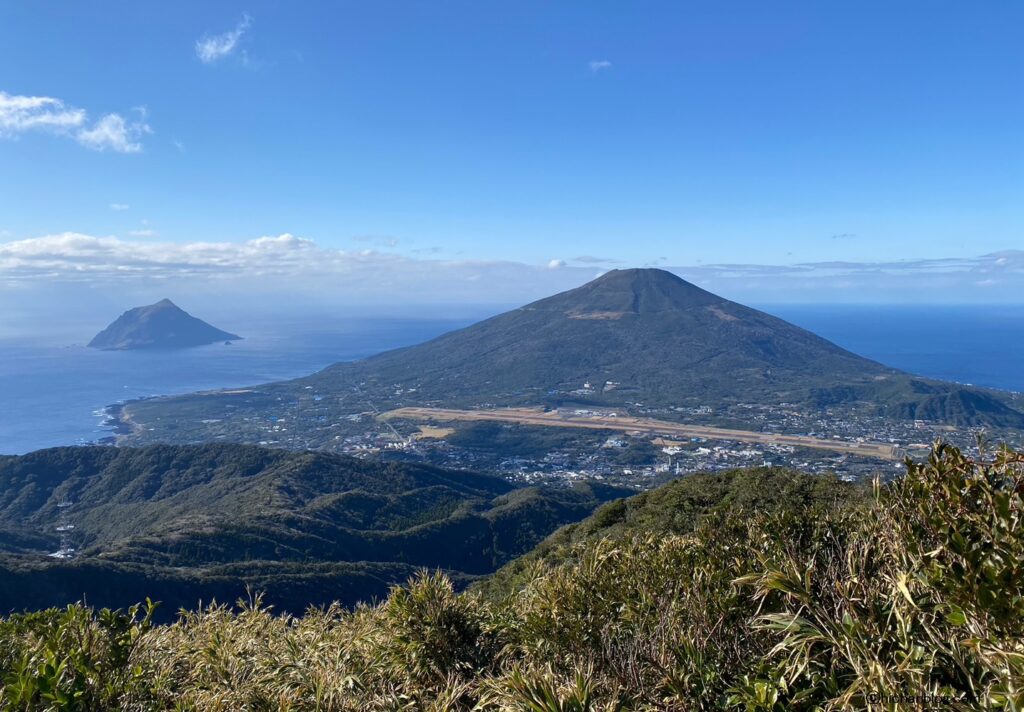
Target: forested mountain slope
[(208, 520)]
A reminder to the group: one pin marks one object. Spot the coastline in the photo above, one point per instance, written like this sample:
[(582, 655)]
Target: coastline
[(119, 423)]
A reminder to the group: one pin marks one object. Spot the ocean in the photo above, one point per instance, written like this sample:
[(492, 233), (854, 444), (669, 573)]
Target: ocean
[(976, 345), (53, 391)]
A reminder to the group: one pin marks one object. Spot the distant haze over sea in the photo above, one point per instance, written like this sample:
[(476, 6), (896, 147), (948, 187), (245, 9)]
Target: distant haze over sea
[(980, 345), (53, 388)]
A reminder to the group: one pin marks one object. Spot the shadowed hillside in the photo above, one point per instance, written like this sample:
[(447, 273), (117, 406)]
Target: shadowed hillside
[(205, 521), (163, 325)]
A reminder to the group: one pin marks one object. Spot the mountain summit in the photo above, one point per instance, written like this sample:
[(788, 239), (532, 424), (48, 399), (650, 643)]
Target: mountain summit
[(158, 326), (630, 291)]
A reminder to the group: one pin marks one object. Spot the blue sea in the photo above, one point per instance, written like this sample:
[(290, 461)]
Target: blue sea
[(53, 390), (977, 345)]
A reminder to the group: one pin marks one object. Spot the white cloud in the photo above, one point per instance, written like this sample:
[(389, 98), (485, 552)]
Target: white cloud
[(145, 232), (288, 263), (76, 255), (592, 260), (27, 113), (21, 114), (114, 132), (278, 264), (596, 65), (1008, 262), (948, 279), (212, 48), (378, 240), (119, 207)]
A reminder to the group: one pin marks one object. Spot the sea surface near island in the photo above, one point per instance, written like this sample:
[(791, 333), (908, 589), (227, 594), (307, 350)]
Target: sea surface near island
[(53, 390)]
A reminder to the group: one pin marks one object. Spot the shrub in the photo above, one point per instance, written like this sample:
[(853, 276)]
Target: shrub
[(924, 602), (72, 659)]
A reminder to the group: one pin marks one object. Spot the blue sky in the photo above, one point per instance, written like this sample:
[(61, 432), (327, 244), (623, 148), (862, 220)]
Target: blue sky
[(528, 135)]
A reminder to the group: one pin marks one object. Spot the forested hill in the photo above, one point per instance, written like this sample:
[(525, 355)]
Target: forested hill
[(205, 521), (678, 508)]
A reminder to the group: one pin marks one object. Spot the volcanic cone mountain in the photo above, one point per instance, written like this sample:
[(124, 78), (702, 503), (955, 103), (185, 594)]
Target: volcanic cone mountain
[(161, 325), (643, 332)]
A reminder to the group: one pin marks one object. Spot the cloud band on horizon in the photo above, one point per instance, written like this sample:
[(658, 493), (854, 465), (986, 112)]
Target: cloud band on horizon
[(76, 257)]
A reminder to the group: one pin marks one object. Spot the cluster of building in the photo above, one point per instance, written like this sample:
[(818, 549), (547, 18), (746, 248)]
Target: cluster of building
[(313, 421)]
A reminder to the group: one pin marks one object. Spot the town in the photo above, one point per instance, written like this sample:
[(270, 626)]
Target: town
[(634, 445)]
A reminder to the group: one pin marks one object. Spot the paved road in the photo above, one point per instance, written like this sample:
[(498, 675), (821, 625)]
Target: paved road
[(537, 416)]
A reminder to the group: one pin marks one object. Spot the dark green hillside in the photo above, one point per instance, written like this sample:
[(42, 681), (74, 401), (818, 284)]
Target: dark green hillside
[(960, 405), (637, 335), (678, 508), (29, 583), (660, 338), (207, 520), (757, 591)]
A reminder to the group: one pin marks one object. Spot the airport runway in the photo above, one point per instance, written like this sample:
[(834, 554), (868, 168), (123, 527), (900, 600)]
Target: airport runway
[(537, 416)]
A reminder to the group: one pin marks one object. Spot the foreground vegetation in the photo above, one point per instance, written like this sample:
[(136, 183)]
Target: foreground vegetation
[(911, 598)]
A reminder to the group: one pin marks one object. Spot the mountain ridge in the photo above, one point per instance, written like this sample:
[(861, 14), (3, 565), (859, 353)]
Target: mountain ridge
[(213, 518)]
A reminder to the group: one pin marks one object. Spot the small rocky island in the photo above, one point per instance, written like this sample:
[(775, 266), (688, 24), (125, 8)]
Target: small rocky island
[(158, 326)]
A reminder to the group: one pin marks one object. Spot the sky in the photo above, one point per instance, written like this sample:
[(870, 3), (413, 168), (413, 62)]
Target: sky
[(494, 152)]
